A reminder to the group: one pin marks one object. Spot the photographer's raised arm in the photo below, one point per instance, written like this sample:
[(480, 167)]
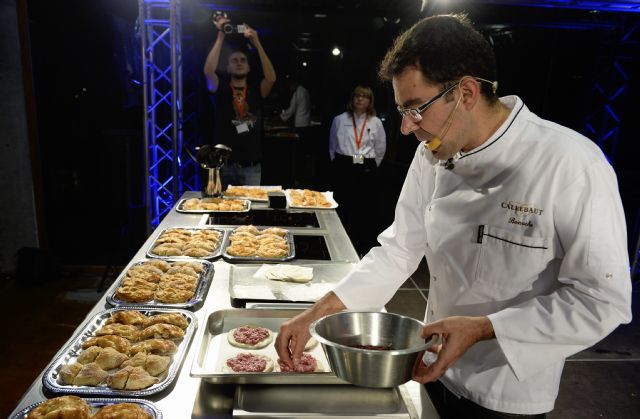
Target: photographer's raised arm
[(269, 72), (213, 58)]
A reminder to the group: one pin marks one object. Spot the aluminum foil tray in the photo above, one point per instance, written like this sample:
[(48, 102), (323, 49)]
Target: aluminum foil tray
[(97, 403), (213, 350), (232, 258), (73, 349), (180, 207), (196, 301), (215, 254)]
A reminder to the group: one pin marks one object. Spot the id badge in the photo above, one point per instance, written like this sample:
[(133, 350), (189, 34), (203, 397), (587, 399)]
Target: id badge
[(242, 127), (358, 159)]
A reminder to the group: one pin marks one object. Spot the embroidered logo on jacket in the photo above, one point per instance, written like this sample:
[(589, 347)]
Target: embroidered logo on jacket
[(523, 213)]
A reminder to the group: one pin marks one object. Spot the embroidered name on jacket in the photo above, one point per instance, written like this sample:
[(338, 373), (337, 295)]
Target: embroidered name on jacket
[(522, 213)]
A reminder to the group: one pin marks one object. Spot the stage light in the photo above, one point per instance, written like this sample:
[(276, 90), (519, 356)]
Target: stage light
[(304, 63), (336, 51)]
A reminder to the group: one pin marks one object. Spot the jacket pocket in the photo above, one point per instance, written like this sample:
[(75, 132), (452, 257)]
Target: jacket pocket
[(509, 262)]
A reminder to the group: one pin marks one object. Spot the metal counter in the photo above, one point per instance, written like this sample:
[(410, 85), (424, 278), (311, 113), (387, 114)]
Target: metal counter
[(182, 399)]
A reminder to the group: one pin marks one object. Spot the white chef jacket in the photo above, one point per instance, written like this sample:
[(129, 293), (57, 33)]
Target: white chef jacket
[(300, 106), (527, 229), (342, 139)]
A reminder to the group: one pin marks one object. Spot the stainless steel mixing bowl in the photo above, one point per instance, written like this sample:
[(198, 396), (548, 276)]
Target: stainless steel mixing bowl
[(343, 334)]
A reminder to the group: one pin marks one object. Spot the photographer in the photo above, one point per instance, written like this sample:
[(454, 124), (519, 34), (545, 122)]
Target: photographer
[(237, 104)]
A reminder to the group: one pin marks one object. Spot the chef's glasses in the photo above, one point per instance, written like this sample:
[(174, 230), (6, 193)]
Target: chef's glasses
[(416, 113)]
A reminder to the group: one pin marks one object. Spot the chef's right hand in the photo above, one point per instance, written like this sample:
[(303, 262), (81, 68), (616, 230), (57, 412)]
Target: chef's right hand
[(292, 338), (220, 21)]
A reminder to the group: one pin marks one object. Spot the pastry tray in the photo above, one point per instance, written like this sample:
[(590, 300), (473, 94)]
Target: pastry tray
[(204, 282), (231, 258), (216, 253), (328, 196), (97, 403), (243, 286), (247, 207), (213, 349), (73, 349), (251, 198)]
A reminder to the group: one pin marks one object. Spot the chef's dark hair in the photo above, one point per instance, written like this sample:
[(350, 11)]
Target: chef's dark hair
[(444, 48)]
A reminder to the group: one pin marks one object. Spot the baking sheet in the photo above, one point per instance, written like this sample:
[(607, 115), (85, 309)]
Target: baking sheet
[(215, 254), (328, 196), (265, 188), (73, 349), (244, 286), (97, 403), (204, 282), (232, 258), (214, 349), (246, 203)]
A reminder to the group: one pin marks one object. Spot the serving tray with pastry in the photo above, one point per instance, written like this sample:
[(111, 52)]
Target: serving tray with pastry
[(163, 283), (212, 204), (123, 351), (249, 243), (253, 193), (310, 199), (187, 243), (94, 408)]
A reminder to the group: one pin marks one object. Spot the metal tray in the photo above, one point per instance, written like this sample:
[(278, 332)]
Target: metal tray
[(73, 349), (252, 198), (212, 349), (247, 207), (204, 282), (216, 253), (97, 403), (231, 258), (244, 286)]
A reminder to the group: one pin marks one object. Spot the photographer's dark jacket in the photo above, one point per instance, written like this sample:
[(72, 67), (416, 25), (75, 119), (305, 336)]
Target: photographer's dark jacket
[(246, 146)]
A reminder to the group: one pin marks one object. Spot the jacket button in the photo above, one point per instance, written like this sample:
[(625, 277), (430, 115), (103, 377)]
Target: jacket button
[(434, 278), (609, 276)]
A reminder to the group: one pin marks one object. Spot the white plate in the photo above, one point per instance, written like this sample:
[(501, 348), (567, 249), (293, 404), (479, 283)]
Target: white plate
[(328, 196)]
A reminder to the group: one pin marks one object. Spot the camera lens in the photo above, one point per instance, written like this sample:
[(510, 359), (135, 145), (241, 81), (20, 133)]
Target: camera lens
[(227, 28)]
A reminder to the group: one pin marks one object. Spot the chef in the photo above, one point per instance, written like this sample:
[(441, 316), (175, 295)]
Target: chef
[(521, 224)]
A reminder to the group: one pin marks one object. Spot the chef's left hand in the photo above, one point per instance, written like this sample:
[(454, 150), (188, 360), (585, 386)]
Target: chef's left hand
[(458, 335)]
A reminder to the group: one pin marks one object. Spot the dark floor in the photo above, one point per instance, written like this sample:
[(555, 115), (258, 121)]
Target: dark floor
[(601, 382)]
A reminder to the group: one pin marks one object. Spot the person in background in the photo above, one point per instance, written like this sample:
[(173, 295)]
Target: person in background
[(357, 143), (299, 106), (521, 223), (238, 106)]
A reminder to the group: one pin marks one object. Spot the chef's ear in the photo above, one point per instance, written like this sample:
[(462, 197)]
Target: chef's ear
[(470, 91)]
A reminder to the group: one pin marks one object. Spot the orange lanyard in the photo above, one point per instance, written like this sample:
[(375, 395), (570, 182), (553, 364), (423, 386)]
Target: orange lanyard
[(355, 132), (239, 100)]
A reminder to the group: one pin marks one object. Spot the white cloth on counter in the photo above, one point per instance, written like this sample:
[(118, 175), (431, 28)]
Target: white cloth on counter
[(527, 229), (282, 272)]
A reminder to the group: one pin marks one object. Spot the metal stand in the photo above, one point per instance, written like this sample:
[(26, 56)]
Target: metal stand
[(162, 56)]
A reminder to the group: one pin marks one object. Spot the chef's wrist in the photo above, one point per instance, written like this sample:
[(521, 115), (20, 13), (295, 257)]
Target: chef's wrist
[(485, 329)]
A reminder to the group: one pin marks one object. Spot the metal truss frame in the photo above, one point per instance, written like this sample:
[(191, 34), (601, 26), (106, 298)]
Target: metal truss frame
[(168, 172)]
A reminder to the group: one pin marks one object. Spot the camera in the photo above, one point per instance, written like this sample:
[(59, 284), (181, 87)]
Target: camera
[(227, 28)]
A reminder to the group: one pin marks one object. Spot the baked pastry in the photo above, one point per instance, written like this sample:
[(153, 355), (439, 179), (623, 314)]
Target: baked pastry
[(196, 266), (118, 343), (127, 317), (88, 355), (173, 295), (109, 358), (134, 294), (122, 411), (90, 375), (186, 270), (275, 230), (146, 275), (167, 250), (131, 378), (162, 331), (196, 252), (68, 373), (138, 282), (168, 318), (181, 284), (65, 407), (153, 364), (127, 331), (155, 346), (249, 229), (164, 266)]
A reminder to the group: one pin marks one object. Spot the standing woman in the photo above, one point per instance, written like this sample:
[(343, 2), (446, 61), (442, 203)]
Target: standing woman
[(357, 143)]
